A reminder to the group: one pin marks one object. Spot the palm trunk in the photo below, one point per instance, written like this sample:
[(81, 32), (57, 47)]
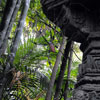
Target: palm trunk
[(62, 70), (53, 76)]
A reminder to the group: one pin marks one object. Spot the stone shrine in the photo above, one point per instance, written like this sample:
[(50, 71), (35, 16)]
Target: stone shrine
[(80, 21)]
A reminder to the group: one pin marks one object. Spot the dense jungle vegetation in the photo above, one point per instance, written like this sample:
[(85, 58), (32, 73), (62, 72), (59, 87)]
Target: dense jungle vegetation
[(37, 61)]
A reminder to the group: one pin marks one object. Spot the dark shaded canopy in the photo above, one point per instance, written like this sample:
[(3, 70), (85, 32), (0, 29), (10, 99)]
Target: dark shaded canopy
[(76, 18)]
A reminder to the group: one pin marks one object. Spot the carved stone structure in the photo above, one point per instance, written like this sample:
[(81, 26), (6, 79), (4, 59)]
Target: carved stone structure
[(88, 80), (80, 21)]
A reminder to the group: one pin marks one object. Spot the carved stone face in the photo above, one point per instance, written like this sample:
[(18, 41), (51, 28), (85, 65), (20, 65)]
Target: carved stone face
[(74, 17)]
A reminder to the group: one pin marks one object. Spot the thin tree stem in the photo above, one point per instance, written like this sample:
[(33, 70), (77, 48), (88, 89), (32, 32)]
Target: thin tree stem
[(62, 70), (68, 73), (53, 76)]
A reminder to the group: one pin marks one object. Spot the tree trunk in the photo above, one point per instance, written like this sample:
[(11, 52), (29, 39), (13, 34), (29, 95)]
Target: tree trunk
[(53, 76), (10, 5), (20, 27), (68, 73), (0, 2), (16, 41), (4, 45), (62, 70)]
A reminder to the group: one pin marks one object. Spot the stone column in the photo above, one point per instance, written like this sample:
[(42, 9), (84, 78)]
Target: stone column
[(88, 79)]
